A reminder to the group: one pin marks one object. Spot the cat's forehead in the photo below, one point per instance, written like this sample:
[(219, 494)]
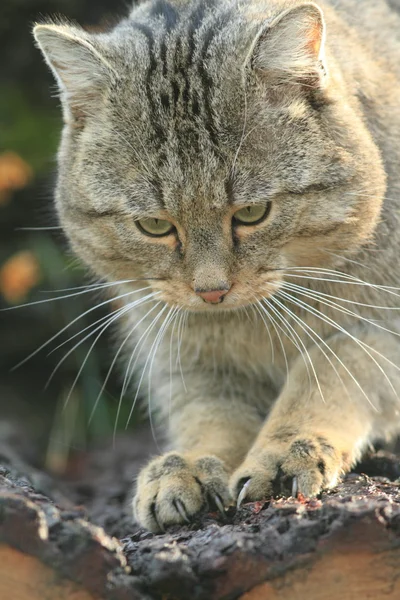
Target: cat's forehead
[(181, 76)]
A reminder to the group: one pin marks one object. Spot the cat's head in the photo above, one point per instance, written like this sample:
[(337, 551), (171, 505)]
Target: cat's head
[(207, 146)]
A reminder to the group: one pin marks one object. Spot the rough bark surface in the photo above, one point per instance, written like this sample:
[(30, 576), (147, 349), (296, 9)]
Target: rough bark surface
[(75, 540)]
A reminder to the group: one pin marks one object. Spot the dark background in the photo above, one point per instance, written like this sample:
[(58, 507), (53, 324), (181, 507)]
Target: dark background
[(35, 262)]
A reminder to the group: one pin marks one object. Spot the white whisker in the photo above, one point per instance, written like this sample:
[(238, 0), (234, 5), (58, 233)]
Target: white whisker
[(79, 293), (103, 328), (293, 336), (361, 344), (257, 308), (349, 260), (171, 339), (152, 325), (137, 349), (74, 321), (346, 300), (307, 329), (170, 316), (182, 317), (91, 326), (37, 228), (275, 325), (112, 366), (276, 301), (324, 299), (346, 278)]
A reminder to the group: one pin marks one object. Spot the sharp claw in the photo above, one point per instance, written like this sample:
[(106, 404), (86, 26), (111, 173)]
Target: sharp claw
[(219, 505), (180, 507), (294, 487), (154, 514), (242, 494)]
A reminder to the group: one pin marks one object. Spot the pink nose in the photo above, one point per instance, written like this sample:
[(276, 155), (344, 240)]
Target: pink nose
[(212, 296)]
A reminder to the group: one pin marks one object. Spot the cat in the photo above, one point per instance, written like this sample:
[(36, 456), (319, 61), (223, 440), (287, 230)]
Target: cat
[(232, 169)]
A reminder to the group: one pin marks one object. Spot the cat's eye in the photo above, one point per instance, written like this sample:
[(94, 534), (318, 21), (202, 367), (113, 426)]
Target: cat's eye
[(155, 227), (252, 214)]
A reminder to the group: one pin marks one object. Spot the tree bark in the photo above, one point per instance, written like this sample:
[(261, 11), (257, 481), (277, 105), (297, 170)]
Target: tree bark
[(344, 545)]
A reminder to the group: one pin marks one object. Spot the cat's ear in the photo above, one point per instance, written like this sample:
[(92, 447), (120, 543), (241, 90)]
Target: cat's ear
[(79, 66), (290, 48)]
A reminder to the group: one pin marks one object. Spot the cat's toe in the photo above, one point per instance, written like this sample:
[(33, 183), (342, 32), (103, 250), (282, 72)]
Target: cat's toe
[(305, 466), (173, 489)]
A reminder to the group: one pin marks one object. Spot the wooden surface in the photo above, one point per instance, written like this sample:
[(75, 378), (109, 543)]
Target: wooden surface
[(357, 564), (24, 577), (345, 546)]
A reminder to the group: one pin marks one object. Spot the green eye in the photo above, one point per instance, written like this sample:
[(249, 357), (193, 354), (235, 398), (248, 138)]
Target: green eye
[(252, 214), (155, 227)]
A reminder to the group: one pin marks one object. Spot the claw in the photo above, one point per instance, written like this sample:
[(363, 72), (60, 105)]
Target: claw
[(294, 487), (219, 505), (154, 514), (242, 494), (180, 507)]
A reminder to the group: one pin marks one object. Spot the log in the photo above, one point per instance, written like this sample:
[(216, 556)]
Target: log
[(346, 544)]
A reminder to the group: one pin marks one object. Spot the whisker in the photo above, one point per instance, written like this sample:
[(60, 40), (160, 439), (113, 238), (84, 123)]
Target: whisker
[(95, 286), (346, 278), (146, 363), (361, 344), (74, 321), (89, 286), (112, 318), (257, 308), (243, 135), (362, 195), (112, 366), (324, 299), (276, 301), (84, 291), (313, 333), (182, 317), (293, 336), (260, 307), (349, 260), (160, 336), (37, 228), (92, 325), (171, 339), (341, 299), (131, 367)]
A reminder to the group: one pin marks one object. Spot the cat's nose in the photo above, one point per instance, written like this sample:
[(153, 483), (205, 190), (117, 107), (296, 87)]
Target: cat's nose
[(212, 296)]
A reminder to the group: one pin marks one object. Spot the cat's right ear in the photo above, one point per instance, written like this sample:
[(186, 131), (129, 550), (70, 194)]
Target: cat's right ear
[(79, 66)]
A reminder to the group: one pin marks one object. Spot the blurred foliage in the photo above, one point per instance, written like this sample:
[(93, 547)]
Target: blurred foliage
[(31, 132), (34, 255)]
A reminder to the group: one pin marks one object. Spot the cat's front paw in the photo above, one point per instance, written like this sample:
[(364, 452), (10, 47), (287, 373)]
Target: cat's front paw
[(172, 489), (306, 465)]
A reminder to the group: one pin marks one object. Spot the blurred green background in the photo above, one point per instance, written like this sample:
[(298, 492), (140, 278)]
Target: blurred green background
[(34, 257)]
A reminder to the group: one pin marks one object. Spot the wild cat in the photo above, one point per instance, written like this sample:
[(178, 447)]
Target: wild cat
[(233, 167)]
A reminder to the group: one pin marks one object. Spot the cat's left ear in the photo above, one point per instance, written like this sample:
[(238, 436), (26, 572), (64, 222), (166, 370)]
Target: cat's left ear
[(290, 48), (78, 63)]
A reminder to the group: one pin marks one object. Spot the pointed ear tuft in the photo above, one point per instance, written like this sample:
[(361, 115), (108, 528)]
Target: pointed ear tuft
[(80, 68), (290, 48)]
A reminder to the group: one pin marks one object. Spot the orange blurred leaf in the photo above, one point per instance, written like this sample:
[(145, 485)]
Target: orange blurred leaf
[(18, 276), (15, 174)]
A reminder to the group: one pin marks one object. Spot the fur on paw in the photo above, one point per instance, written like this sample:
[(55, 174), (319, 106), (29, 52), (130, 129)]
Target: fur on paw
[(306, 465), (173, 488)]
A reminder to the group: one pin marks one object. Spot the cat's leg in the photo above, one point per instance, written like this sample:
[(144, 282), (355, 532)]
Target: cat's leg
[(211, 432), (308, 441)]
